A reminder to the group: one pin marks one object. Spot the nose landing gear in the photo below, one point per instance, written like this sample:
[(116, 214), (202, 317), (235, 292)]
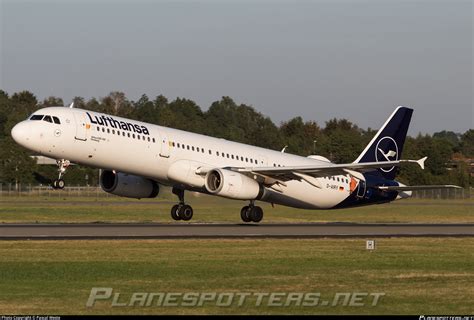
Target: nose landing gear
[(62, 166)]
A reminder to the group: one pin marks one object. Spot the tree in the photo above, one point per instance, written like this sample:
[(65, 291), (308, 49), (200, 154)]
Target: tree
[(467, 143), (52, 102)]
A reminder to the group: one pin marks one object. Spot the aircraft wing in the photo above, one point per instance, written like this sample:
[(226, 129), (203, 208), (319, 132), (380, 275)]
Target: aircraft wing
[(295, 172), (413, 188)]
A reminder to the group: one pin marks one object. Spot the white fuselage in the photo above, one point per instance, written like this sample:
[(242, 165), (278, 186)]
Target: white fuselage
[(169, 156)]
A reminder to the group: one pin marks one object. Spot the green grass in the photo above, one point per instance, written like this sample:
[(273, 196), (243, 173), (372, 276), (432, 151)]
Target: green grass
[(418, 276), (214, 209)]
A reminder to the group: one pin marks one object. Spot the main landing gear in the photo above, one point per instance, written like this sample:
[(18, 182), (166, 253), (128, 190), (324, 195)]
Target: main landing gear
[(181, 211), (62, 166), (251, 213)]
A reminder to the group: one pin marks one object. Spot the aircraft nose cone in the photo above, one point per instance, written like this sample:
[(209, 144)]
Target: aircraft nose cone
[(20, 133)]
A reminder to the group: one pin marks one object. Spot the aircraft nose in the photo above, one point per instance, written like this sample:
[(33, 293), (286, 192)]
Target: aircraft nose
[(20, 133)]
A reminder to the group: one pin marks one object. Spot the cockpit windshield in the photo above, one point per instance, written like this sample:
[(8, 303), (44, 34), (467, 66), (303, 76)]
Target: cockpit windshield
[(46, 118)]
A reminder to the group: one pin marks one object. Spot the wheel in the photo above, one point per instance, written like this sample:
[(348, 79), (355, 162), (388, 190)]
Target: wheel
[(175, 212), (256, 214), (60, 184), (186, 212), (244, 214), (55, 184)]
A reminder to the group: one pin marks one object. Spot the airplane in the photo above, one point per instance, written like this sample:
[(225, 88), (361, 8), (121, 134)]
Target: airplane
[(137, 157)]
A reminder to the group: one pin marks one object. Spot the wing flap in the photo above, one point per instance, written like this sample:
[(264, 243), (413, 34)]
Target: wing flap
[(324, 170)]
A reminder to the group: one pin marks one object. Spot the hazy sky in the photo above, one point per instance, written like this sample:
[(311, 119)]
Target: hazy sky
[(316, 59)]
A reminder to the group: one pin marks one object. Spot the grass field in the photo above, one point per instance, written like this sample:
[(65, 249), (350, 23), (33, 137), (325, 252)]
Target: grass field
[(214, 209), (418, 276)]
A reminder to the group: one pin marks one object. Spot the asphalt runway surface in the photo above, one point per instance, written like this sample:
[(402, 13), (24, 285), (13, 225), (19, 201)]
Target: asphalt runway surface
[(228, 230)]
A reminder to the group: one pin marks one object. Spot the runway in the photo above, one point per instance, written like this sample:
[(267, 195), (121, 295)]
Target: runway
[(227, 230)]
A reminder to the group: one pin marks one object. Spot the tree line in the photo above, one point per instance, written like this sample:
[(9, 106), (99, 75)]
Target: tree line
[(339, 140)]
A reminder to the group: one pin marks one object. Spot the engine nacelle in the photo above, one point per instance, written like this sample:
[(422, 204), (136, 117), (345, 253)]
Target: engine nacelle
[(127, 185), (230, 184)]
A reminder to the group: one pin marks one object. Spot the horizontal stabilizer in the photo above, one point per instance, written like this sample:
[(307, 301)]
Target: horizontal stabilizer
[(413, 188)]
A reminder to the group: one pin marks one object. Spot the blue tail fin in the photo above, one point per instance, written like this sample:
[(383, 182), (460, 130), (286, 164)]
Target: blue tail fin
[(387, 144)]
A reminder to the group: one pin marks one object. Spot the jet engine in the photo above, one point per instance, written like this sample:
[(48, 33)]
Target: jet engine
[(127, 185), (230, 184)]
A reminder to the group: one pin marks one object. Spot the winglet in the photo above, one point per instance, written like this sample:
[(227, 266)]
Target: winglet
[(421, 162), (71, 105)]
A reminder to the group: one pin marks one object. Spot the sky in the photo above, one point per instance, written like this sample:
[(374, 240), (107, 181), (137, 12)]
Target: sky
[(353, 59)]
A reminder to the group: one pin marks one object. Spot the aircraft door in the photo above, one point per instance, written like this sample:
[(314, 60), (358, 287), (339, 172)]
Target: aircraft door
[(361, 189), (81, 126), (165, 145)]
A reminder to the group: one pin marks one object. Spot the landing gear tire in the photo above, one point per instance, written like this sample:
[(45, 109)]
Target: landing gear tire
[(175, 212), (58, 184), (186, 212), (181, 211), (256, 214), (244, 214)]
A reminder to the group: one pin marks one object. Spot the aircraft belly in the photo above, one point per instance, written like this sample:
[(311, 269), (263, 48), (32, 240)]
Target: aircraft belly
[(300, 194)]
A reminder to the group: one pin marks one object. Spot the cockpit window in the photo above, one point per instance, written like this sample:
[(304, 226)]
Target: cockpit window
[(48, 119), (56, 120), (36, 117)]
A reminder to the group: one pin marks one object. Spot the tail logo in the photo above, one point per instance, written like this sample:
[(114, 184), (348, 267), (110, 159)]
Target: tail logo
[(386, 150)]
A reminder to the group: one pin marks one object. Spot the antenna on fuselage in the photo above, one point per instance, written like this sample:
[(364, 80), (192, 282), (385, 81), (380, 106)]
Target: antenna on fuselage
[(71, 105), (283, 150)]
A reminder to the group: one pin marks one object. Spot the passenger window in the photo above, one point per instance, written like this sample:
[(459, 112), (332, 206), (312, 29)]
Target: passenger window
[(210, 152), (192, 148), (108, 130), (133, 135), (202, 149), (217, 152), (153, 140), (232, 156), (37, 117), (103, 130), (138, 136), (113, 131), (149, 141), (56, 120), (48, 119), (128, 134), (98, 129), (123, 133)]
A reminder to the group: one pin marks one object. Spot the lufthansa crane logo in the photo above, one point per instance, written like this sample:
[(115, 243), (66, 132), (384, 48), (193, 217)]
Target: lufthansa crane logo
[(386, 150)]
